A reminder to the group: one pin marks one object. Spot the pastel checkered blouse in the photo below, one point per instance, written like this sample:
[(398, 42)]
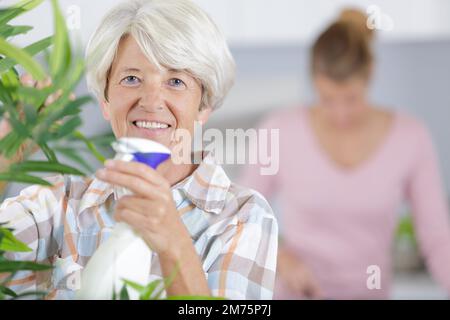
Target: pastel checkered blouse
[(233, 230)]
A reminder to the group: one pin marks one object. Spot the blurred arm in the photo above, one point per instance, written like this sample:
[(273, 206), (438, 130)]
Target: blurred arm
[(430, 210)]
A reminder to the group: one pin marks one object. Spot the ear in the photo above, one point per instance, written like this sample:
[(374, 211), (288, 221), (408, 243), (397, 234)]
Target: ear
[(105, 109), (203, 115)]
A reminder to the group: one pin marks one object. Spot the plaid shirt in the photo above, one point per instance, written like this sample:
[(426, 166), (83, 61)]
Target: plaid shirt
[(233, 230)]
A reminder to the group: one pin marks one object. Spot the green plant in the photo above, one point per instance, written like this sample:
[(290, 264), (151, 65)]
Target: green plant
[(53, 128), (405, 229), (155, 289), (8, 243)]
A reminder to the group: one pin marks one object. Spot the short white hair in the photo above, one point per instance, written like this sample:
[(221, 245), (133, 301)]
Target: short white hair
[(173, 34)]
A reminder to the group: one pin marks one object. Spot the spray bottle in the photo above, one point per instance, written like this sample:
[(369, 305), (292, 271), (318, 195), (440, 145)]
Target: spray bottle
[(124, 255)]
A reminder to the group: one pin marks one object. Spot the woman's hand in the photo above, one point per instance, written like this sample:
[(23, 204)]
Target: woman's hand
[(151, 210), (296, 276), (152, 213)]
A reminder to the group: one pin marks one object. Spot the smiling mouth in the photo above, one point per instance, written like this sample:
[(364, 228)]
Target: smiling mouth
[(151, 125)]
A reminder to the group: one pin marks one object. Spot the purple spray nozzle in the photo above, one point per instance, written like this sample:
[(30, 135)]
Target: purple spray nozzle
[(153, 159), (141, 150)]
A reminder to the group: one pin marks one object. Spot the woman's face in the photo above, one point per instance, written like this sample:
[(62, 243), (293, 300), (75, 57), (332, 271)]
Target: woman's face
[(343, 102), (149, 103)]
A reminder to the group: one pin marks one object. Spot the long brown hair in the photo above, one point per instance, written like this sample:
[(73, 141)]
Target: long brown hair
[(344, 49)]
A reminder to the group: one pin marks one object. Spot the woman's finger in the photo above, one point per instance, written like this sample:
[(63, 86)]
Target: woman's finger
[(134, 183), (137, 221), (139, 170), (134, 203)]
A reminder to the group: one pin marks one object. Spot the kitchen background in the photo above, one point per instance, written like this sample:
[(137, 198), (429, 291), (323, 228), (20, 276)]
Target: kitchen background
[(270, 41)]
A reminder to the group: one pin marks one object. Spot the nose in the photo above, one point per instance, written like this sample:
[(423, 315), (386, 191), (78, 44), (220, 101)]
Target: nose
[(151, 97)]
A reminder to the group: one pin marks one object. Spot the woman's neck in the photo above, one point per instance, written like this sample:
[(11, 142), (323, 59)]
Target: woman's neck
[(175, 173), (359, 122)]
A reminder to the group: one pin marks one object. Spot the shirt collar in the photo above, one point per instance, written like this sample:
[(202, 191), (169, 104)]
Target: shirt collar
[(206, 188)]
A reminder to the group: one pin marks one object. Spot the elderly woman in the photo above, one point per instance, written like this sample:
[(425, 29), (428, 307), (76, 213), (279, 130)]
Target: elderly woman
[(156, 66)]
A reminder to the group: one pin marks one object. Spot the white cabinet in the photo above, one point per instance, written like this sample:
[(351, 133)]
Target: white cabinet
[(248, 22), (269, 22)]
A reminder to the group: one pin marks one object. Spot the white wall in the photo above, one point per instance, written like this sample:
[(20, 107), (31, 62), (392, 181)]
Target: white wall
[(270, 40), (250, 22)]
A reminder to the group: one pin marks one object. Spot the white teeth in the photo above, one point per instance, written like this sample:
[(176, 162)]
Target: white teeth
[(151, 125)]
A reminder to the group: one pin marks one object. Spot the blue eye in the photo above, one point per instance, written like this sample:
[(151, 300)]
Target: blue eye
[(175, 82), (130, 80)]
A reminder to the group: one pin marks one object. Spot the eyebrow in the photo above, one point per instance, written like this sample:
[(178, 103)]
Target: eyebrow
[(128, 69), (176, 71)]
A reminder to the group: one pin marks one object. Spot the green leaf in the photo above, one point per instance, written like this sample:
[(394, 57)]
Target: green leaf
[(72, 154), (7, 291), (43, 166), (9, 31), (55, 111), (52, 114), (32, 50), (102, 140), (136, 286), (10, 243), (10, 79), (15, 122), (68, 127), (8, 141), (30, 95), (145, 292), (149, 290), (9, 14), (23, 178), (17, 9), (78, 135), (124, 293), (30, 115), (5, 93), (49, 153), (22, 58), (28, 5), (11, 266), (63, 106), (60, 56), (114, 294), (14, 144)]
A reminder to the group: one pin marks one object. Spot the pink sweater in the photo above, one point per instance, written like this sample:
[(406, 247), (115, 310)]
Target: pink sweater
[(340, 221)]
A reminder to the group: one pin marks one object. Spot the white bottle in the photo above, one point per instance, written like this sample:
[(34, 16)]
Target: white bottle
[(125, 255)]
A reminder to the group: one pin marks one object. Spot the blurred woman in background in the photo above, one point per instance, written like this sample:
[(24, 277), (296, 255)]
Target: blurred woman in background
[(346, 166)]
